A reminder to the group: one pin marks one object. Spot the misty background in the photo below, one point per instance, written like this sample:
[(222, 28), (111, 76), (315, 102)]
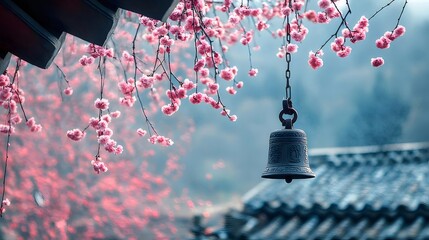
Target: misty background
[(347, 102)]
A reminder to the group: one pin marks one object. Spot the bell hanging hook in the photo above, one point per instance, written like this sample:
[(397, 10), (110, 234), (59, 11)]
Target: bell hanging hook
[(288, 110)]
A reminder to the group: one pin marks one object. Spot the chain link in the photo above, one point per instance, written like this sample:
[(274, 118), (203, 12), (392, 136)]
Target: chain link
[(288, 59)]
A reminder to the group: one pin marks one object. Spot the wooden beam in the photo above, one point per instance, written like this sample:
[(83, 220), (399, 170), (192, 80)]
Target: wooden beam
[(4, 60), (87, 19), (35, 30), (159, 9), (22, 36)]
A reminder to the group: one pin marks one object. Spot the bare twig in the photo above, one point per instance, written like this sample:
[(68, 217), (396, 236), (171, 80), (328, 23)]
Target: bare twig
[(148, 122)]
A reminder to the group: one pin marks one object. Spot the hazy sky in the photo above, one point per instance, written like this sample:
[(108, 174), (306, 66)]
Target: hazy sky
[(419, 8), (327, 99)]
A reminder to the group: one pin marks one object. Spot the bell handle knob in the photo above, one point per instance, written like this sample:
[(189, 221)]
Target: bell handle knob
[(288, 123)]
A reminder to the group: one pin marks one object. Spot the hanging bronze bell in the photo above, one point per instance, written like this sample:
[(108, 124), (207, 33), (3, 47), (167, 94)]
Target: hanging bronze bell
[(287, 155)]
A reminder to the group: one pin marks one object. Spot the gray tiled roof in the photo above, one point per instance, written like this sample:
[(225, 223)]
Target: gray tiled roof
[(361, 193)]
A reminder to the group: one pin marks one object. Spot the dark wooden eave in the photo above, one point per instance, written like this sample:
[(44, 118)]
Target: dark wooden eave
[(35, 30)]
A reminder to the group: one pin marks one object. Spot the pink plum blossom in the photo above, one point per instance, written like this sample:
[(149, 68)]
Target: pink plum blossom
[(115, 114), (324, 3), (377, 62), (260, 25), (31, 122), (170, 109), (127, 101), (141, 132), (99, 166), (399, 31), (383, 42), (102, 104), (85, 61), (68, 91), (225, 112), (204, 72), (188, 85), (344, 52), (146, 81), (291, 48), (15, 119), (199, 65), (36, 128), (228, 73), (311, 15), (253, 72), (103, 139), (196, 98), (314, 61), (233, 118), (106, 118), (161, 140), (231, 90), (76, 134), (6, 202), (127, 57), (6, 129), (4, 80), (126, 88)]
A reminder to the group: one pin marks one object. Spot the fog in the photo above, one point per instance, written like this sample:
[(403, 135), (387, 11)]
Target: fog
[(339, 104)]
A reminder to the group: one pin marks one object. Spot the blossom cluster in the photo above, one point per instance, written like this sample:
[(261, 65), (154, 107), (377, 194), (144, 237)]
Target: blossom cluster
[(384, 42), (103, 132), (94, 52), (190, 21), (127, 89), (388, 37), (206, 96), (12, 97), (161, 140), (329, 11), (76, 134), (98, 165), (314, 59)]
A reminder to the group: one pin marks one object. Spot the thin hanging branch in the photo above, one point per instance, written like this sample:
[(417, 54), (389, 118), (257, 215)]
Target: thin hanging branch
[(342, 23), (148, 122), (400, 15), (9, 132), (381, 9)]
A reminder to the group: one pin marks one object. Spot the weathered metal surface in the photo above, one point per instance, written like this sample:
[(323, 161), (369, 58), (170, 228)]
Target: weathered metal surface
[(287, 156)]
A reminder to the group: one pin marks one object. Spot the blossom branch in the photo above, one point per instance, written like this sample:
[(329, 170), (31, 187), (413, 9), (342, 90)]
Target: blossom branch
[(342, 23), (400, 15), (381, 9), (9, 132), (148, 122)]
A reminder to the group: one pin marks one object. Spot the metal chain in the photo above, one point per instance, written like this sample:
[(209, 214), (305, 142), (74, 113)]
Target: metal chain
[(287, 103), (288, 59)]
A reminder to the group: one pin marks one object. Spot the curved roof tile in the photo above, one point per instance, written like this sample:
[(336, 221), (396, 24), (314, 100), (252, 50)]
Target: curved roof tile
[(363, 193)]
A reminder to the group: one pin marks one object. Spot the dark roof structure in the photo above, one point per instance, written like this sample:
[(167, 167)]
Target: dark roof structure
[(358, 193), (35, 30)]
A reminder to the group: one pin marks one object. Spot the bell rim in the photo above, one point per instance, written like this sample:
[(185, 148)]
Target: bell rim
[(281, 172), (286, 175)]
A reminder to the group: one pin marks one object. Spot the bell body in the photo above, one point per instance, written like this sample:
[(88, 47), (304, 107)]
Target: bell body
[(287, 156)]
